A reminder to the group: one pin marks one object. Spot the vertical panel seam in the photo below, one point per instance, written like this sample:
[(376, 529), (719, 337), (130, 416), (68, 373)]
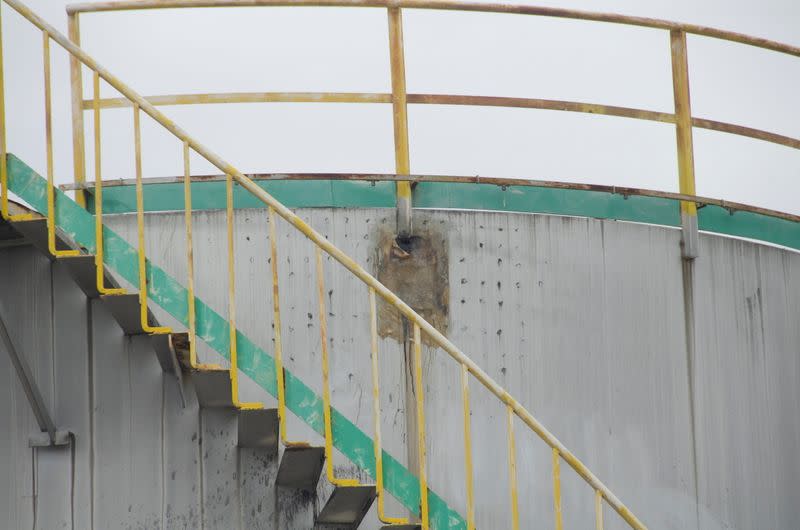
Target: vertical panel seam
[(90, 369), (163, 450), (53, 345)]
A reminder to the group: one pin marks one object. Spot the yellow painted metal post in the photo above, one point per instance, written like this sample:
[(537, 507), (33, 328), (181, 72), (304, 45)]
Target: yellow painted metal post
[(468, 448), (187, 221), (683, 134), (326, 386), (48, 130), (190, 299), (276, 323), (400, 119), (421, 446), (512, 470), (376, 413), (3, 148), (598, 509), (557, 489), (3, 166), (234, 355), (76, 85), (98, 195), (137, 139)]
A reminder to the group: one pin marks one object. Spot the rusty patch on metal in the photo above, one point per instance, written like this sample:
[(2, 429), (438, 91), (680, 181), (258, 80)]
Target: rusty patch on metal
[(416, 269)]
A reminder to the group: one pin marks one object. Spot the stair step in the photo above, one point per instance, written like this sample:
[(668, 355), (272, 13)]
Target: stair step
[(84, 272), (259, 429), (347, 506), (125, 309), (35, 231), (213, 388), (166, 352), (300, 467)]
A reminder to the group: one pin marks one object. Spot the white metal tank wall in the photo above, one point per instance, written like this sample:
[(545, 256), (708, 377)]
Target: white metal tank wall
[(139, 460), (583, 321), (590, 336)]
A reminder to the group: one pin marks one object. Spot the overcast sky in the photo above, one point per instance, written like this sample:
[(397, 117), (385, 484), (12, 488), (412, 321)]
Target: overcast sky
[(325, 49)]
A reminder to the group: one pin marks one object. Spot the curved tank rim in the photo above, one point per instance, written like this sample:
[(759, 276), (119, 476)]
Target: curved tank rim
[(348, 190)]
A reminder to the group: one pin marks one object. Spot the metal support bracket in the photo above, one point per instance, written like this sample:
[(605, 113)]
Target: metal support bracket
[(49, 435), (690, 238), (43, 439)]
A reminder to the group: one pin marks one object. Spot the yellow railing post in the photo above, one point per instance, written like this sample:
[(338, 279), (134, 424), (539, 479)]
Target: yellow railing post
[(98, 194), (191, 312), (683, 135), (191, 315), (326, 386), (76, 85), (400, 120), (557, 489), (598, 509), (468, 449), (376, 413), (421, 445), (48, 131), (233, 347), (137, 146), (3, 166), (512, 469), (3, 148), (276, 322)]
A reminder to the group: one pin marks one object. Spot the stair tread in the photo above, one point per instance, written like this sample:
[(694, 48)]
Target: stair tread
[(347, 505), (125, 309), (259, 429), (163, 344), (35, 231), (300, 467), (213, 388), (84, 271)]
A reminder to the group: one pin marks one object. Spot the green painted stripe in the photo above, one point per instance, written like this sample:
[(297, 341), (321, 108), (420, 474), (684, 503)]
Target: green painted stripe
[(213, 329), (292, 193), (463, 196), (749, 224), (556, 201)]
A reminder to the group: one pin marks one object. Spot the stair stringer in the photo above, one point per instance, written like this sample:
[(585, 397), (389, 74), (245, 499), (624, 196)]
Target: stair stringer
[(213, 329)]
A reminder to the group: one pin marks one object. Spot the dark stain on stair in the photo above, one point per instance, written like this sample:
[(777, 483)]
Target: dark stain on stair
[(416, 269)]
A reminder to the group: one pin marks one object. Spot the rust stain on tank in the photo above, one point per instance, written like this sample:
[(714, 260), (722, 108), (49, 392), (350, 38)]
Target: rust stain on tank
[(416, 268)]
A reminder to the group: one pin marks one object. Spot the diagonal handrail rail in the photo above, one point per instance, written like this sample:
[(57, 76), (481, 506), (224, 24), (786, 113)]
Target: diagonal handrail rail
[(420, 325)]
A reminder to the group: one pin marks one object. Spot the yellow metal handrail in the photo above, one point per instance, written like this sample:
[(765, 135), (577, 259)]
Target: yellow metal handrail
[(98, 218), (682, 118), (449, 5)]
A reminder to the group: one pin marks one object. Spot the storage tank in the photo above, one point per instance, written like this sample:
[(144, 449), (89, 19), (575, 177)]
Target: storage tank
[(370, 351)]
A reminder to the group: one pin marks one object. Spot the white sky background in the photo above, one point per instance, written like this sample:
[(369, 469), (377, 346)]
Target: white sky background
[(324, 49)]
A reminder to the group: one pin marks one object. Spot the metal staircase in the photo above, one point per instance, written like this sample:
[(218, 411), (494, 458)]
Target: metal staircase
[(337, 501), (332, 502)]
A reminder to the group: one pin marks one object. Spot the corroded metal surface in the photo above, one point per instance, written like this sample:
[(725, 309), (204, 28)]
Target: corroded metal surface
[(417, 270)]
